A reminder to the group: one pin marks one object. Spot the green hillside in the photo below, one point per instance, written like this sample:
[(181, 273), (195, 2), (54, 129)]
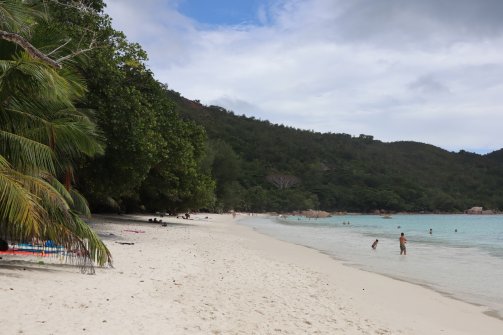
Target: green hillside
[(337, 171), (160, 151)]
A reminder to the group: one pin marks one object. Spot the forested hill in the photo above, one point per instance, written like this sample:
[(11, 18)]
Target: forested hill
[(262, 166), (95, 125)]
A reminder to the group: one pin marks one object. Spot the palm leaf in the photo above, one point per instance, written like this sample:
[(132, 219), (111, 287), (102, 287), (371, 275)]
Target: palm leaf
[(58, 187), (19, 205), (80, 204), (59, 223), (25, 154), (16, 16), (98, 251), (67, 130), (23, 77)]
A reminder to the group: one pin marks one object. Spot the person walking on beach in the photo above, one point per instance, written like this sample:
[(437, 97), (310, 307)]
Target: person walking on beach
[(403, 249), (374, 245)]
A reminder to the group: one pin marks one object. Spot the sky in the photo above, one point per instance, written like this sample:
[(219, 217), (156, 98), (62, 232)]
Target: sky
[(429, 71)]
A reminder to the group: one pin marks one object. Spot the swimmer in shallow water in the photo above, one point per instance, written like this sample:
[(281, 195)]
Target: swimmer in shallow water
[(374, 245), (403, 249)]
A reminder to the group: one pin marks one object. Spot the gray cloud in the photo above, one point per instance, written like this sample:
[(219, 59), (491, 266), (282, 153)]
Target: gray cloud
[(397, 23), (428, 85), (426, 70)]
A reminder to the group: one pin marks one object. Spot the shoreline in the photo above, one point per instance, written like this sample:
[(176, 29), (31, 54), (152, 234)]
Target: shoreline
[(216, 276), (388, 215), (464, 293), (489, 312), (483, 310)]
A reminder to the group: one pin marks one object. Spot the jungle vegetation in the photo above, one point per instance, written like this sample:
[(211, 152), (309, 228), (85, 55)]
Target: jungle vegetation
[(259, 166), (85, 126)]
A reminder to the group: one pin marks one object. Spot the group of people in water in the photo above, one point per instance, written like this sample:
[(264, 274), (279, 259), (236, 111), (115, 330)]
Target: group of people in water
[(402, 240)]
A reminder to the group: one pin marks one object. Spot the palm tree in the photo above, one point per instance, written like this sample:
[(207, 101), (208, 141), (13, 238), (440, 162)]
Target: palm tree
[(42, 135)]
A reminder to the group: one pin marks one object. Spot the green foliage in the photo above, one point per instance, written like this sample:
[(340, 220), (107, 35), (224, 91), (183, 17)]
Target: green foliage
[(153, 158), (42, 135), (338, 171), (176, 181), (145, 156)]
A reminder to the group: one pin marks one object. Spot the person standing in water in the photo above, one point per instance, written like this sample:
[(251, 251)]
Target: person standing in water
[(374, 245), (403, 249)]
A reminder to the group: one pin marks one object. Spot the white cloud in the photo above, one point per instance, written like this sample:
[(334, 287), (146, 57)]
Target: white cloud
[(428, 71)]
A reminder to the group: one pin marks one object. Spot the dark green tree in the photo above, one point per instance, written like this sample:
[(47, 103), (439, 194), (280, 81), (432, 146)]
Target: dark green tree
[(153, 158)]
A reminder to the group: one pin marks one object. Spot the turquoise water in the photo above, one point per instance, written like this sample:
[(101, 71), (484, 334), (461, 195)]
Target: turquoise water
[(467, 264)]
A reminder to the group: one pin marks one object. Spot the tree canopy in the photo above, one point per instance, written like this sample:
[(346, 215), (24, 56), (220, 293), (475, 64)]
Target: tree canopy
[(153, 158), (339, 172), (80, 110)]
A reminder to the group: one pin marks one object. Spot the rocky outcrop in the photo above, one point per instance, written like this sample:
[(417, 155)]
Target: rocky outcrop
[(479, 210), (315, 214), (474, 210)]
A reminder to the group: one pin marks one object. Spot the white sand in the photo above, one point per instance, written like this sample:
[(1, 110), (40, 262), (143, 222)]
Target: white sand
[(212, 276)]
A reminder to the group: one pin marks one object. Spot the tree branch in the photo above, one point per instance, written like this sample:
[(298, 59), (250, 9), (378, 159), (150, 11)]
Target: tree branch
[(61, 46), (92, 45), (75, 54), (30, 49)]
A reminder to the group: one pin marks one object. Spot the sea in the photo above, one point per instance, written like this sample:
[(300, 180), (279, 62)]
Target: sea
[(461, 258)]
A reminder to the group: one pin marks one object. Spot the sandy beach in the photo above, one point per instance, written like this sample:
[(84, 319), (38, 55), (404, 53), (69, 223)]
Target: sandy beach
[(209, 275)]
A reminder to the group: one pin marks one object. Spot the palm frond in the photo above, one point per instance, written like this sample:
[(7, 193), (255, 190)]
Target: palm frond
[(59, 223), (19, 205), (25, 154), (16, 16), (26, 78), (80, 204), (42, 120), (51, 194), (18, 116), (58, 187), (98, 251)]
